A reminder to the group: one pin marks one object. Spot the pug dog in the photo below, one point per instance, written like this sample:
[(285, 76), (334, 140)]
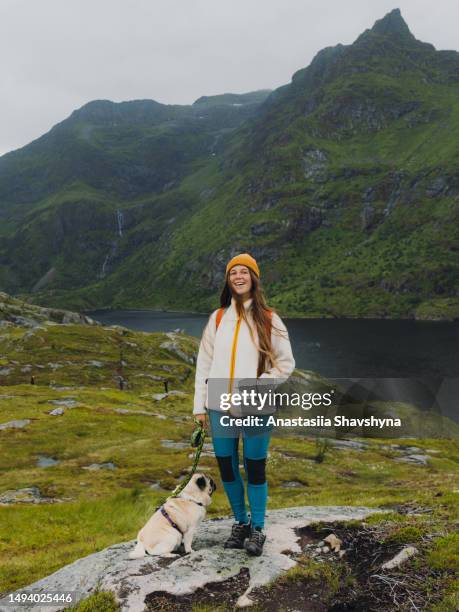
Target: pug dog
[(176, 520)]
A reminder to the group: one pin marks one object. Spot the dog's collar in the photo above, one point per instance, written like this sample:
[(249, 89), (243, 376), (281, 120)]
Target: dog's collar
[(189, 498), (168, 518)]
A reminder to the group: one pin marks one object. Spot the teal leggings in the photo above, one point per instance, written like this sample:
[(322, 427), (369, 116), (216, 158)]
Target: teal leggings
[(255, 450)]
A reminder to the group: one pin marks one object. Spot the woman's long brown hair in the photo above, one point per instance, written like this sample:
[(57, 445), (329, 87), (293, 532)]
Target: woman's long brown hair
[(261, 317)]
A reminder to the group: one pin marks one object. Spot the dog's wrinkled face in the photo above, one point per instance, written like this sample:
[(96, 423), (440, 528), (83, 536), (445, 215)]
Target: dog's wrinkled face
[(205, 483)]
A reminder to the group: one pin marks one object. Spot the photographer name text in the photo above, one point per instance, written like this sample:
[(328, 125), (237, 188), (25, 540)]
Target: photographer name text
[(319, 421)]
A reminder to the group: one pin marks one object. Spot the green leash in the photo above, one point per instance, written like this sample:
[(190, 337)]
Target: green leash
[(197, 441)]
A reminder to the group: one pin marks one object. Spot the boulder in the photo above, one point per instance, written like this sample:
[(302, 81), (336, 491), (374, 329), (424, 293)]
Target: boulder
[(173, 346), (27, 495), (400, 558), (18, 424)]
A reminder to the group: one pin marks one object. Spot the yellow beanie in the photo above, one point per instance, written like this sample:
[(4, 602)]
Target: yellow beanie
[(244, 259)]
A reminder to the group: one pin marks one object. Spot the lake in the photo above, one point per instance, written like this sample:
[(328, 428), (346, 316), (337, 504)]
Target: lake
[(407, 360)]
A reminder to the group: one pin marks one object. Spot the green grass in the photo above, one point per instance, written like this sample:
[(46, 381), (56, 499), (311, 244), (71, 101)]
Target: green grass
[(406, 535), (46, 537), (445, 553), (102, 601), (328, 575)]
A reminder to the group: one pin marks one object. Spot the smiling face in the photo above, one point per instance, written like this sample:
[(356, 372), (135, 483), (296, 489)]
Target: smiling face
[(240, 281)]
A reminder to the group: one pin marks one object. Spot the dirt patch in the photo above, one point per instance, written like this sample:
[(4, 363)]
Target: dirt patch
[(325, 581), (290, 597), (365, 547), (213, 594), (412, 508), (356, 581), (161, 562)]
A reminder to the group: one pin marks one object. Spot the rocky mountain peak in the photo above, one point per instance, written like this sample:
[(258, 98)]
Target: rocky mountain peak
[(392, 23)]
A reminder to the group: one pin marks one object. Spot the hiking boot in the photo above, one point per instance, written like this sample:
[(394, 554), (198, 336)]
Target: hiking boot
[(254, 543), (239, 532)]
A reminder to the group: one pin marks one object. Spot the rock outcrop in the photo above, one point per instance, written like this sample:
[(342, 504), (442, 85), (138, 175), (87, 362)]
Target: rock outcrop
[(133, 580), (17, 312)]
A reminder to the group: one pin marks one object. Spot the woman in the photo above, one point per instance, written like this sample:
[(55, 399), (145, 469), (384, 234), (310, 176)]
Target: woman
[(242, 340)]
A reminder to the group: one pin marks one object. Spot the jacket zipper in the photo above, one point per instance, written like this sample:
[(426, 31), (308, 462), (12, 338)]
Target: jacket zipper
[(233, 354)]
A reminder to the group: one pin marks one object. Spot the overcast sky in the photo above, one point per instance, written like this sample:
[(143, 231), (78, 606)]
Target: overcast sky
[(59, 54)]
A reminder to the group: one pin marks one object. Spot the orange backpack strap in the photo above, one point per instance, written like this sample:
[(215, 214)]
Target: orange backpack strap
[(269, 322), (219, 317)]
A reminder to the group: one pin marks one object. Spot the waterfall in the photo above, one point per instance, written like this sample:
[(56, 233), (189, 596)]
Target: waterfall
[(119, 218), (114, 247), (104, 264)]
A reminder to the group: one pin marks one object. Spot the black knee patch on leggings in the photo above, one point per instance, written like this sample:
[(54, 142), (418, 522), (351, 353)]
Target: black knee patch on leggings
[(256, 471), (226, 468)]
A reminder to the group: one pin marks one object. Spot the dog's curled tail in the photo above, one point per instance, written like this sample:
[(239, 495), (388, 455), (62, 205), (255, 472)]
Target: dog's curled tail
[(138, 552)]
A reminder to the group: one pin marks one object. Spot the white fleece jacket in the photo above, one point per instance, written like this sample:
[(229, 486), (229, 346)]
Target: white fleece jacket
[(214, 357)]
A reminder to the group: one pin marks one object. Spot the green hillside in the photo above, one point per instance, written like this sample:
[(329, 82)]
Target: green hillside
[(344, 184)]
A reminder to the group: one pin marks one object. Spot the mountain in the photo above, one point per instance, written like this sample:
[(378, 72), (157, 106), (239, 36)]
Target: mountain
[(344, 184), (126, 149), (67, 197)]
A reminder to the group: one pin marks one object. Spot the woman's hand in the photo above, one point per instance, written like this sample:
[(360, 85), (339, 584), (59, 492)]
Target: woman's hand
[(202, 418)]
